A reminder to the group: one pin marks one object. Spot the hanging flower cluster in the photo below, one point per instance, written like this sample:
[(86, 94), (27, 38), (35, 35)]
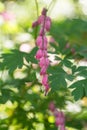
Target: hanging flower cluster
[(45, 23), (59, 116)]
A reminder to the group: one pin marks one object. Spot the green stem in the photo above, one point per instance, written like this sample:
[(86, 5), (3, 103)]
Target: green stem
[(51, 5), (37, 11), (37, 8)]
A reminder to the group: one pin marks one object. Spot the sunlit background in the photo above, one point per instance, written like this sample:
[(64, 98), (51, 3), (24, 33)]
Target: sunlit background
[(14, 14), (16, 17)]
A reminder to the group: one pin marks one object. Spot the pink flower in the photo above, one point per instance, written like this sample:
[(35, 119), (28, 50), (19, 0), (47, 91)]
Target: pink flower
[(8, 16), (41, 42), (61, 114), (58, 122), (48, 19), (44, 43), (47, 62), (34, 24), (47, 24), (52, 106), (60, 118), (41, 19), (39, 54), (44, 62), (41, 33), (62, 127), (44, 11), (45, 79), (56, 113), (46, 88), (43, 70)]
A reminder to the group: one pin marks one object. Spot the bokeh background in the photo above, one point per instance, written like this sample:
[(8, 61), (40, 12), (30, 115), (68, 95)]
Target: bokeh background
[(23, 105)]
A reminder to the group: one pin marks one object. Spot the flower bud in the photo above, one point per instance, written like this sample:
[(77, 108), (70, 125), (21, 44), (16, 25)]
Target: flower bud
[(39, 54), (47, 87), (43, 70), (52, 106), (45, 79), (39, 41), (44, 62), (62, 127), (41, 19), (44, 11), (34, 24), (48, 24), (57, 122), (56, 113), (41, 33)]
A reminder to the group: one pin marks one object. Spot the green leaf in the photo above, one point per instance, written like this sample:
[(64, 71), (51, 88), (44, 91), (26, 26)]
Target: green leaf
[(32, 76), (83, 51), (80, 89), (67, 63), (78, 93), (85, 91), (12, 60), (30, 57), (74, 31), (81, 68), (82, 71), (70, 77), (55, 69), (57, 82), (7, 94), (73, 69), (57, 78)]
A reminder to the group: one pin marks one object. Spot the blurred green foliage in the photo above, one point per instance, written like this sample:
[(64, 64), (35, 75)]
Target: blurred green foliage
[(23, 105)]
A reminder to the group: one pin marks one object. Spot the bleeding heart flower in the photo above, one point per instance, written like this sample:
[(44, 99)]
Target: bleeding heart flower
[(56, 113), (62, 127), (57, 122), (52, 106), (34, 24), (43, 70), (41, 41), (45, 79), (44, 11), (44, 62), (47, 87), (41, 33), (39, 54), (48, 24), (41, 19)]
